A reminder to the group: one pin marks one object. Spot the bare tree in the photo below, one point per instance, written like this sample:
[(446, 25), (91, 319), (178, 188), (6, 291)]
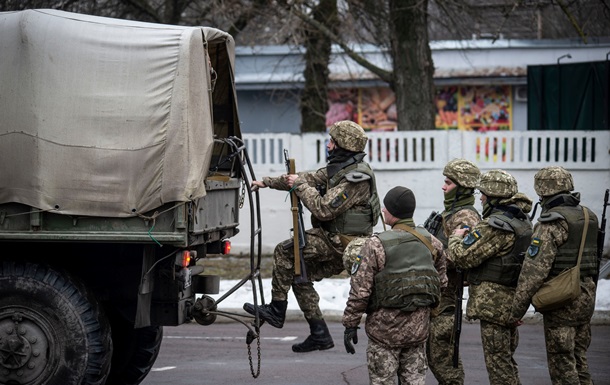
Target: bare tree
[(314, 99), (401, 29)]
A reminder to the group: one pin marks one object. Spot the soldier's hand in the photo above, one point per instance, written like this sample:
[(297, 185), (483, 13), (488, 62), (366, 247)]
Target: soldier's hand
[(290, 178), (350, 335), (256, 184)]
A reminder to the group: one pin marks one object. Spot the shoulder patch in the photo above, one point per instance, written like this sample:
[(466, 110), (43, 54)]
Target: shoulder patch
[(339, 199), (356, 264), (550, 217), (532, 251), (472, 238), (357, 176)]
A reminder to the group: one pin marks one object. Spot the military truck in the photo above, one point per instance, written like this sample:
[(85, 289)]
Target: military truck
[(121, 168)]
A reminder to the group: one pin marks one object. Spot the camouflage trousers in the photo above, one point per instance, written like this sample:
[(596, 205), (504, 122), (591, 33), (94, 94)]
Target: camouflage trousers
[(386, 364), (323, 259), (566, 352), (439, 350), (499, 345)]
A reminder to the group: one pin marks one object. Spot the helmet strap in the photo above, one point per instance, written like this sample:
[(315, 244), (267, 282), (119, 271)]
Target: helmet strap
[(534, 211)]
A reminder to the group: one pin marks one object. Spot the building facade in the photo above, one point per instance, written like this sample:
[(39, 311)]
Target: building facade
[(481, 84)]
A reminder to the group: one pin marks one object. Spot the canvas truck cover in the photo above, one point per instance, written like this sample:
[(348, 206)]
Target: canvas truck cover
[(101, 116)]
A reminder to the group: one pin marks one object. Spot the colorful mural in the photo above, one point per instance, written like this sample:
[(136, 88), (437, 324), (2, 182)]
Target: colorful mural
[(472, 108), (372, 108), (484, 108)]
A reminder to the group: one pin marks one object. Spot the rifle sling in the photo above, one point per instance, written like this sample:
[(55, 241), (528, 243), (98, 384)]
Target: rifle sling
[(418, 235)]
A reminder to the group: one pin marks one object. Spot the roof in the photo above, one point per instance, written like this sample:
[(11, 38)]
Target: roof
[(467, 61)]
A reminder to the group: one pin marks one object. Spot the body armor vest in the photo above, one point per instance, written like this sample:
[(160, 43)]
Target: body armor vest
[(409, 279), (505, 269), (356, 220), (568, 252)]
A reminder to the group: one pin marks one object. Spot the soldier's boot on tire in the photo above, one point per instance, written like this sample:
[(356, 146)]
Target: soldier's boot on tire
[(274, 313), (319, 339)]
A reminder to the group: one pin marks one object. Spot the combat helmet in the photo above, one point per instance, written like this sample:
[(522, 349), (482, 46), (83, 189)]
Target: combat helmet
[(498, 184), (462, 172), (553, 180), (348, 135)]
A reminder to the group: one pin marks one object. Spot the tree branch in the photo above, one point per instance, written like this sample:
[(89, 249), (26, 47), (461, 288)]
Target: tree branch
[(386, 76)]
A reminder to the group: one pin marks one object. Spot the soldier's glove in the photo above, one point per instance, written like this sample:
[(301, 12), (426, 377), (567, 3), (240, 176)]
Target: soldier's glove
[(351, 334)]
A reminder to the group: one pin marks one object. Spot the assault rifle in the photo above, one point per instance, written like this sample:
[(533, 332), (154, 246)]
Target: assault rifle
[(298, 227), (433, 223), (457, 319), (601, 235)]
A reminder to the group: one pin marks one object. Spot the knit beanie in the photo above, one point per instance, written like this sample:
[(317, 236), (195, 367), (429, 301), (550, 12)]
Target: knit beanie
[(400, 202)]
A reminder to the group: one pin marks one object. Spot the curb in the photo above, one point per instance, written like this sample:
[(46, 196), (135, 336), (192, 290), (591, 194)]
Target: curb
[(600, 317)]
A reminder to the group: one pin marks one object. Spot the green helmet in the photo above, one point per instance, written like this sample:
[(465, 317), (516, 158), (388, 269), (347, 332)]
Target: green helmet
[(349, 135), (498, 184), (553, 180), (462, 172)]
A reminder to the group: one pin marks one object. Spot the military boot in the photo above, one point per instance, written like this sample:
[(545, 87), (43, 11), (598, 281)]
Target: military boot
[(274, 312), (319, 339)]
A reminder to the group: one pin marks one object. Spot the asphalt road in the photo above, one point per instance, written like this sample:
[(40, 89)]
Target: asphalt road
[(217, 354)]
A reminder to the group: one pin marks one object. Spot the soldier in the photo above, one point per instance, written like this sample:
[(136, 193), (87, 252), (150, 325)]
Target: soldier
[(461, 179), (343, 201), (492, 254), (395, 280), (554, 247)]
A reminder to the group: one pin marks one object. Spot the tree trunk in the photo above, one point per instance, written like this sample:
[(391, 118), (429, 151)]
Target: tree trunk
[(314, 100), (413, 67)]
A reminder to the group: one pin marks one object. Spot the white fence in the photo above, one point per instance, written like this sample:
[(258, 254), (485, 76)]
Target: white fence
[(416, 160)]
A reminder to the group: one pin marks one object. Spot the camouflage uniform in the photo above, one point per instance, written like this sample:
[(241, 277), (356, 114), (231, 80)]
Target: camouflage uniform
[(459, 212), (396, 338), (567, 330), (323, 252), (484, 252), (343, 201)]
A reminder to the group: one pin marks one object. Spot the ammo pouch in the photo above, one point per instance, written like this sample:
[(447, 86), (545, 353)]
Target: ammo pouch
[(351, 222)]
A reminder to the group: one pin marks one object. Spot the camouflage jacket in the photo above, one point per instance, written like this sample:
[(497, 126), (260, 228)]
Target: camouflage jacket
[(462, 217), (487, 301), (335, 201), (390, 327), (536, 269)]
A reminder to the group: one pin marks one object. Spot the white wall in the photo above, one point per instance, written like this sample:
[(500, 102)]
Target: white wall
[(416, 160)]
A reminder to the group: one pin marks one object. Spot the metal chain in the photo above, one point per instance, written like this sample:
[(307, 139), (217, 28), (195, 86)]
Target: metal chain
[(258, 369), (243, 193)]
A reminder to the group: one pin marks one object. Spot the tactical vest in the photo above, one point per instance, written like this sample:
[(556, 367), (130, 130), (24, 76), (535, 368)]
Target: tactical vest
[(568, 252), (505, 269), (409, 279), (356, 220)]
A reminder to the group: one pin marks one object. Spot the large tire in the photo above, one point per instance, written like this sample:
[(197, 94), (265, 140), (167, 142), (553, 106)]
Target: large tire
[(52, 332), (135, 350)]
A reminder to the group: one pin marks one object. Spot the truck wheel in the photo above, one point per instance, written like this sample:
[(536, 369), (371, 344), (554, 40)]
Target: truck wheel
[(52, 332), (135, 351)]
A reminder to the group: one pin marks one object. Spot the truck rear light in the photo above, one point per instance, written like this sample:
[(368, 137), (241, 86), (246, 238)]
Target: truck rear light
[(226, 247), (186, 258)]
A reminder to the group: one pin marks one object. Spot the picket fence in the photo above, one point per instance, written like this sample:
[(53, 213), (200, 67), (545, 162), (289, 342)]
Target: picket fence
[(416, 160)]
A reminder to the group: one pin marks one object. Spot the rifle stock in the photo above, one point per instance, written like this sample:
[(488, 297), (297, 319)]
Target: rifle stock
[(298, 228)]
